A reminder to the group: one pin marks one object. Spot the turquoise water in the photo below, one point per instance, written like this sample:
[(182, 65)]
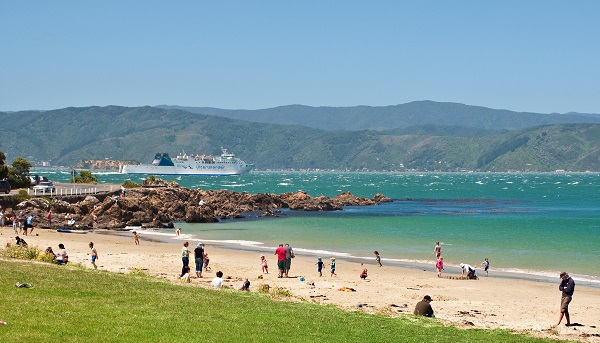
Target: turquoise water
[(538, 224)]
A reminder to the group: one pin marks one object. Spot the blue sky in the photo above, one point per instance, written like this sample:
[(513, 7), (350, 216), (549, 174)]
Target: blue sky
[(539, 56)]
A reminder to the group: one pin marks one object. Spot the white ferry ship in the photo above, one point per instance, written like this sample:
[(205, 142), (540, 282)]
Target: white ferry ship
[(226, 164)]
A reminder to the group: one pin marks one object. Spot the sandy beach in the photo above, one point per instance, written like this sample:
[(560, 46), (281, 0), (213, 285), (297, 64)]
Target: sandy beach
[(490, 302)]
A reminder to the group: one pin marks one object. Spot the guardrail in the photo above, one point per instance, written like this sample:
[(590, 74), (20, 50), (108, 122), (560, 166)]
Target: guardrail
[(65, 191)]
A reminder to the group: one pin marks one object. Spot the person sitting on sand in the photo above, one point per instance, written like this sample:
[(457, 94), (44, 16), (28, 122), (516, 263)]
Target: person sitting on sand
[(21, 241), (218, 282), (245, 286), (185, 274), (363, 275), (62, 257), (423, 307)]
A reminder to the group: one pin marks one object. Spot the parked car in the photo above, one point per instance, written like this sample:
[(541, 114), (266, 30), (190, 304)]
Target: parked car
[(45, 187), (4, 186)]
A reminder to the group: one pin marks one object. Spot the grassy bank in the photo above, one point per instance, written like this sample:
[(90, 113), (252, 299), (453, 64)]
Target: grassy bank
[(71, 304)]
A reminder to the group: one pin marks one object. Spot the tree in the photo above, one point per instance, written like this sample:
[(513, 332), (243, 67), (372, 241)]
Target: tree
[(3, 166), (85, 177), (19, 172)]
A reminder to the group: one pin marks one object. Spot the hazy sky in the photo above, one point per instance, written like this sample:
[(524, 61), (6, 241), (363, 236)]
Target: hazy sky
[(539, 56)]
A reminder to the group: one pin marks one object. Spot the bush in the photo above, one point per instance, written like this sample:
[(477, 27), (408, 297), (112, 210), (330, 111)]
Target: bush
[(20, 252), (21, 196), (43, 256), (130, 184)]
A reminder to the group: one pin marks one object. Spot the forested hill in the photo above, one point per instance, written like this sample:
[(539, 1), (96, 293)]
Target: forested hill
[(69, 135), (397, 116)]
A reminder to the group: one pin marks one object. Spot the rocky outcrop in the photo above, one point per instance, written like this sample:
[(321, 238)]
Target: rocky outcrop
[(160, 203)]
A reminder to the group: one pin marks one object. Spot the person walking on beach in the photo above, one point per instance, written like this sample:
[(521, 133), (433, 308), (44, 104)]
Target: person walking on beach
[(289, 254), (423, 307), (333, 266), (280, 252), (377, 258), (185, 255), (486, 265), (437, 250), (320, 265), (199, 259), (29, 224), (567, 287), (264, 264), (94, 254), (439, 266)]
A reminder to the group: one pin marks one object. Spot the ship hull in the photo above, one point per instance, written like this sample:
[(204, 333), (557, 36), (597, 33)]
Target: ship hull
[(188, 169)]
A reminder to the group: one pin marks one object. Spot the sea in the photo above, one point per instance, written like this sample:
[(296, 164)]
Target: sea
[(529, 225)]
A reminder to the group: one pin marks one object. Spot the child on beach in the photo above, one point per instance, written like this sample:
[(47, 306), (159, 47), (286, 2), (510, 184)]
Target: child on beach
[(439, 265), (377, 258), (363, 275), (263, 264), (94, 254), (245, 286), (486, 265), (185, 274), (333, 267), (206, 260), (320, 265), (136, 238)]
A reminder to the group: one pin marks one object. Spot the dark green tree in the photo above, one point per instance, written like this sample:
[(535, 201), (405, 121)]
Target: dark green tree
[(18, 173), (85, 177), (3, 166)]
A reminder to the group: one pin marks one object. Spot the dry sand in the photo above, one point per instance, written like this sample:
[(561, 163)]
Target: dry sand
[(490, 302)]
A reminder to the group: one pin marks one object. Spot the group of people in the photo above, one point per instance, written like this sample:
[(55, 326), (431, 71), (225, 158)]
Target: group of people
[(20, 223), (200, 259), (467, 270)]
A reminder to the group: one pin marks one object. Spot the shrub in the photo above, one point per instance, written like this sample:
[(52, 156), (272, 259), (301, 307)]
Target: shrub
[(281, 292), (21, 196), (43, 256), (130, 184), (20, 252)]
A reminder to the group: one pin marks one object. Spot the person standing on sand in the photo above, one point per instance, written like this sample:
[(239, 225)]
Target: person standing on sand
[(264, 264), (423, 307), (136, 238), (567, 287), (185, 256), (199, 259), (49, 218), (15, 223), (437, 250), (280, 252), (486, 265), (2, 218), (377, 258), (94, 254), (320, 264), (439, 266), (333, 267), (289, 254)]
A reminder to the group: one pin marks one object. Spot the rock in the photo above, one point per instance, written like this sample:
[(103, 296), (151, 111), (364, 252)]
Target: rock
[(161, 203)]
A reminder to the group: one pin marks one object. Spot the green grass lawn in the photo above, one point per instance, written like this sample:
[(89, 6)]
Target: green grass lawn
[(71, 304)]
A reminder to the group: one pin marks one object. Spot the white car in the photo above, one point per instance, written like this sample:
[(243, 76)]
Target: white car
[(45, 187)]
